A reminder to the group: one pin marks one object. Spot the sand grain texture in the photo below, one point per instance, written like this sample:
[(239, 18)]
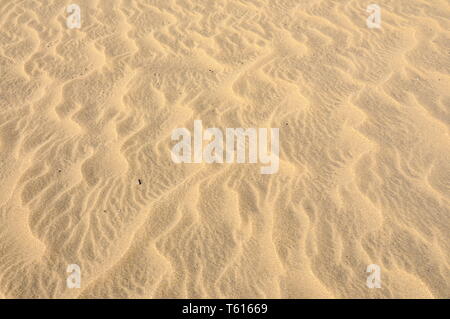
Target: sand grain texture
[(364, 118)]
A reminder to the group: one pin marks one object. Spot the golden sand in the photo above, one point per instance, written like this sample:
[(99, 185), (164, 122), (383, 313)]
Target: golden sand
[(86, 176)]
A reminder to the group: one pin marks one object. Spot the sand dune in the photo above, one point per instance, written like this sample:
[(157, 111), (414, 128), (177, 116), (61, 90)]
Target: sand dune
[(86, 117)]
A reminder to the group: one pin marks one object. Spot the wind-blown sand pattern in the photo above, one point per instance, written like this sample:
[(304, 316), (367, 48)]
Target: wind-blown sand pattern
[(364, 178)]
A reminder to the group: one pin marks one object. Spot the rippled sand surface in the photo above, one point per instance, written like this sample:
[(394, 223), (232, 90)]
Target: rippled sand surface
[(86, 177)]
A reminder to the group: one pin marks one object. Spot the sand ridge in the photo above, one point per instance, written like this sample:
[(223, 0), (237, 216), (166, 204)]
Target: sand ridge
[(86, 117)]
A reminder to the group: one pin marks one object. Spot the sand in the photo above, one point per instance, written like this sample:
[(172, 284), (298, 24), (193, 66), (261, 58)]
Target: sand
[(86, 175)]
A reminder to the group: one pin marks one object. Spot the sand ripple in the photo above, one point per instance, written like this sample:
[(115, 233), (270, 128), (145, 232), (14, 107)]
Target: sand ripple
[(364, 118)]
